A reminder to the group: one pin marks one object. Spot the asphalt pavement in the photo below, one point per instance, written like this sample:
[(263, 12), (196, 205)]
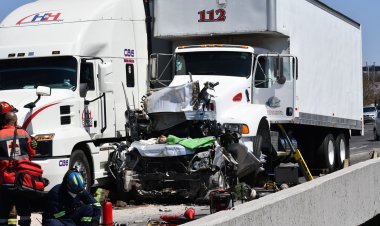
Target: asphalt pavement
[(362, 146)]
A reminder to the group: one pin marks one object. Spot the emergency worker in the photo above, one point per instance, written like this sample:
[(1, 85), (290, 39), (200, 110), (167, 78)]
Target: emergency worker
[(5, 108), (70, 204), (23, 149)]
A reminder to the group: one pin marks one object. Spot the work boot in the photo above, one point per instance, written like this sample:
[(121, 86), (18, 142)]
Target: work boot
[(12, 219)]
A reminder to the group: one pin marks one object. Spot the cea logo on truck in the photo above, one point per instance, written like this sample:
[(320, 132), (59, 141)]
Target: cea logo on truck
[(41, 17)]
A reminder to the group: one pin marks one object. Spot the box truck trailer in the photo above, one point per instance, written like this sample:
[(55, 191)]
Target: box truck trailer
[(72, 74), (295, 63)]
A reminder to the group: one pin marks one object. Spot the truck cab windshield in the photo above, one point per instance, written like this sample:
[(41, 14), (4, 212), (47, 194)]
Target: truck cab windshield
[(222, 63), (28, 73)]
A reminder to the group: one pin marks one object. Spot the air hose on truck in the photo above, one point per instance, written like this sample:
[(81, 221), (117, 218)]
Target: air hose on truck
[(297, 156)]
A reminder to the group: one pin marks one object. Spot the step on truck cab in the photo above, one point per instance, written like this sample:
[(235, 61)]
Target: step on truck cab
[(65, 65), (295, 63)]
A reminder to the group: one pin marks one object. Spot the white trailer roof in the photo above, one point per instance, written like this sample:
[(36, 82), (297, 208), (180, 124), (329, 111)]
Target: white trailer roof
[(53, 11), (225, 17), (73, 27)]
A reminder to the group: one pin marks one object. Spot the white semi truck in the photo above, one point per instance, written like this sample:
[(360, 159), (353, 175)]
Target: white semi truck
[(291, 62), (77, 56)]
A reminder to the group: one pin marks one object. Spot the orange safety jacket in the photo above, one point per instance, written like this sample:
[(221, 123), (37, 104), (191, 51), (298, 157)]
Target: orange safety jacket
[(23, 148)]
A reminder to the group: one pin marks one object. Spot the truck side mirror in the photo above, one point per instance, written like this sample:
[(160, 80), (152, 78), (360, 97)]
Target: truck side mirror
[(105, 72), (40, 91), (43, 91), (281, 80)]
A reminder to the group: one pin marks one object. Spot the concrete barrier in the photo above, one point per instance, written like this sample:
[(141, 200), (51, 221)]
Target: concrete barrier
[(347, 197)]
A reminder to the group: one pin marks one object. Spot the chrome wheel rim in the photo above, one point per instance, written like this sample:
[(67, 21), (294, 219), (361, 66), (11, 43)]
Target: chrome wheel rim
[(330, 150), (342, 150)]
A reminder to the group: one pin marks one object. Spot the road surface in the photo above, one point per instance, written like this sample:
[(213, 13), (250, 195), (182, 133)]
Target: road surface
[(362, 146)]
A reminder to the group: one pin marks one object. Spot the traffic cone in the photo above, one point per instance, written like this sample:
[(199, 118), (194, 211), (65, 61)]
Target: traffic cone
[(190, 213), (107, 214)]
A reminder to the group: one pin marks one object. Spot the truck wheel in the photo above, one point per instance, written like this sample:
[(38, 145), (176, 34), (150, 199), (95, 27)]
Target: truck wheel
[(342, 150), (79, 161), (262, 142), (375, 136), (327, 152)]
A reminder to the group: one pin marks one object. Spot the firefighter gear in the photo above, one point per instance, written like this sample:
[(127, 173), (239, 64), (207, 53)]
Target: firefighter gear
[(5, 107), (33, 143), (23, 149), (75, 182), (7, 200), (67, 208)]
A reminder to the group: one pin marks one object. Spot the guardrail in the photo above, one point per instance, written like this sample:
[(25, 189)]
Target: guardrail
[(350, 196)]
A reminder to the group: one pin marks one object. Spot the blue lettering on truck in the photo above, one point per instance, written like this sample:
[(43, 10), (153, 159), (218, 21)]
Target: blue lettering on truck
[(63, 162)]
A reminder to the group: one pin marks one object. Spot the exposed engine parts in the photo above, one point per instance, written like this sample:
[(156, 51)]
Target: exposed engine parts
[(189, 169)]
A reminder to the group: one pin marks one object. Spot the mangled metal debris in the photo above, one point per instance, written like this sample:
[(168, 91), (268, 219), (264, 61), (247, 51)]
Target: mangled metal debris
[(181, 150)]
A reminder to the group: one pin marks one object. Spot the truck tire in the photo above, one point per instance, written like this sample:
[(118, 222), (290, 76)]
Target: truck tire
[(79, 161), (262, 142), (261, 145), (342, 150), (375, 136), (257, 141), (327, 153)]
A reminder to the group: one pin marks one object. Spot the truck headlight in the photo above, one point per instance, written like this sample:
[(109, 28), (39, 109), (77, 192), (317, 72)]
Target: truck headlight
[(237, 128), (44, 145), (44, 137)]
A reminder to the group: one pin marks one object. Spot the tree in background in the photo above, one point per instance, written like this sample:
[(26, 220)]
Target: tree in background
[(371, 90)]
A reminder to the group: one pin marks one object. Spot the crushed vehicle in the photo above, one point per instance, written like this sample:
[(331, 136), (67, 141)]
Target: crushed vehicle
[(208, 156)]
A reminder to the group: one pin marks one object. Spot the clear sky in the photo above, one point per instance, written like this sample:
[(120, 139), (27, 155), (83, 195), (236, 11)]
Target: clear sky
[(366, 12)]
